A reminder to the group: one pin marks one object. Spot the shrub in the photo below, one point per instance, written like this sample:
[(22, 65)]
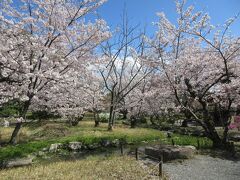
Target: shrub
[(42, 115), (11, 108), (51, 131), (73, 121), (104, 117)]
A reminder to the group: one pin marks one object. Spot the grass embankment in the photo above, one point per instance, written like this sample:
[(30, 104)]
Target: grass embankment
[(93, 167), (184, 140), (34, 139), (41, 137)]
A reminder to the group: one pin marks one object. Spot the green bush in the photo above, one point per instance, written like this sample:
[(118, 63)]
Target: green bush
[(42, 115)]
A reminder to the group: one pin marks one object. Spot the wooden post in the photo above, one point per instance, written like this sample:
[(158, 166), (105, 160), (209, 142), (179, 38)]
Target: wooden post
[(198, 144), (173, 143), (232, 148), (136, 153), (121, 148), (160, 169)]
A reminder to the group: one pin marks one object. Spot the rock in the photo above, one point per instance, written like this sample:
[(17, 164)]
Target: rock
[(170, 152), (64, 153), (75, 146), (19, 162), (191, 147), (197, 133), (235, 137), (45, 149), (105, 143), (93, 146), (115, 143), (6, 123), (55, 147), (41, 153)]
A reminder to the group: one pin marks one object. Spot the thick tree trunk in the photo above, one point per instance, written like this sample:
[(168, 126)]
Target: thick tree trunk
[(214, 136), (13, 139), (211, 130), (111, 119), (16, 130), (96, 118), (110, 127), (124, 112), (217, 143), (96, 124), (133, 122)]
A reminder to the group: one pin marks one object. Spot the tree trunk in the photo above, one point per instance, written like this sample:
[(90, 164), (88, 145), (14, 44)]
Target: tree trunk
[(16, 130), (213, 135), (96, 124), (124, 112), (96, 118), (217, 143), (13, 139), (111, 111), (133, 122), (111, 123), (211, 130), (110, 119), (188, 117)]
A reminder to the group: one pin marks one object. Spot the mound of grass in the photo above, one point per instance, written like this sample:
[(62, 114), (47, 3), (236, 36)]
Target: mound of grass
[(89, 135), (50, 131), (94, 167)]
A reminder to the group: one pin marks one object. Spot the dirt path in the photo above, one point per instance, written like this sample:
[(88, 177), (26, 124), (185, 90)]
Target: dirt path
[(203, 167)]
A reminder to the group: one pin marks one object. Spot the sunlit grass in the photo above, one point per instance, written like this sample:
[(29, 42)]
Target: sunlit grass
[(5, 134), (191, 140), (85, 132), (94, 167)]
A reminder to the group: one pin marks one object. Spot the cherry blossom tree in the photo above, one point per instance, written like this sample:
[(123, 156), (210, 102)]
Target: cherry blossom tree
[(136, 102), (95, 94), (45, 43), (201, 71), (123, 66), (235, 124)]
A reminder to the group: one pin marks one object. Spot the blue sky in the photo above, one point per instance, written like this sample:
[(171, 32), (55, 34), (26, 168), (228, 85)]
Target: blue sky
[(144, 11)]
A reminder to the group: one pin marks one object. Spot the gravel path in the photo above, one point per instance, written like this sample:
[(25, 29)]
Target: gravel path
[(203, 167)]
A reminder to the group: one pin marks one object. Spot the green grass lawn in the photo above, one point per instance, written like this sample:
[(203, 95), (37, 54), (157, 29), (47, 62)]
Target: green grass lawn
[(37, 138), (34, 138)]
